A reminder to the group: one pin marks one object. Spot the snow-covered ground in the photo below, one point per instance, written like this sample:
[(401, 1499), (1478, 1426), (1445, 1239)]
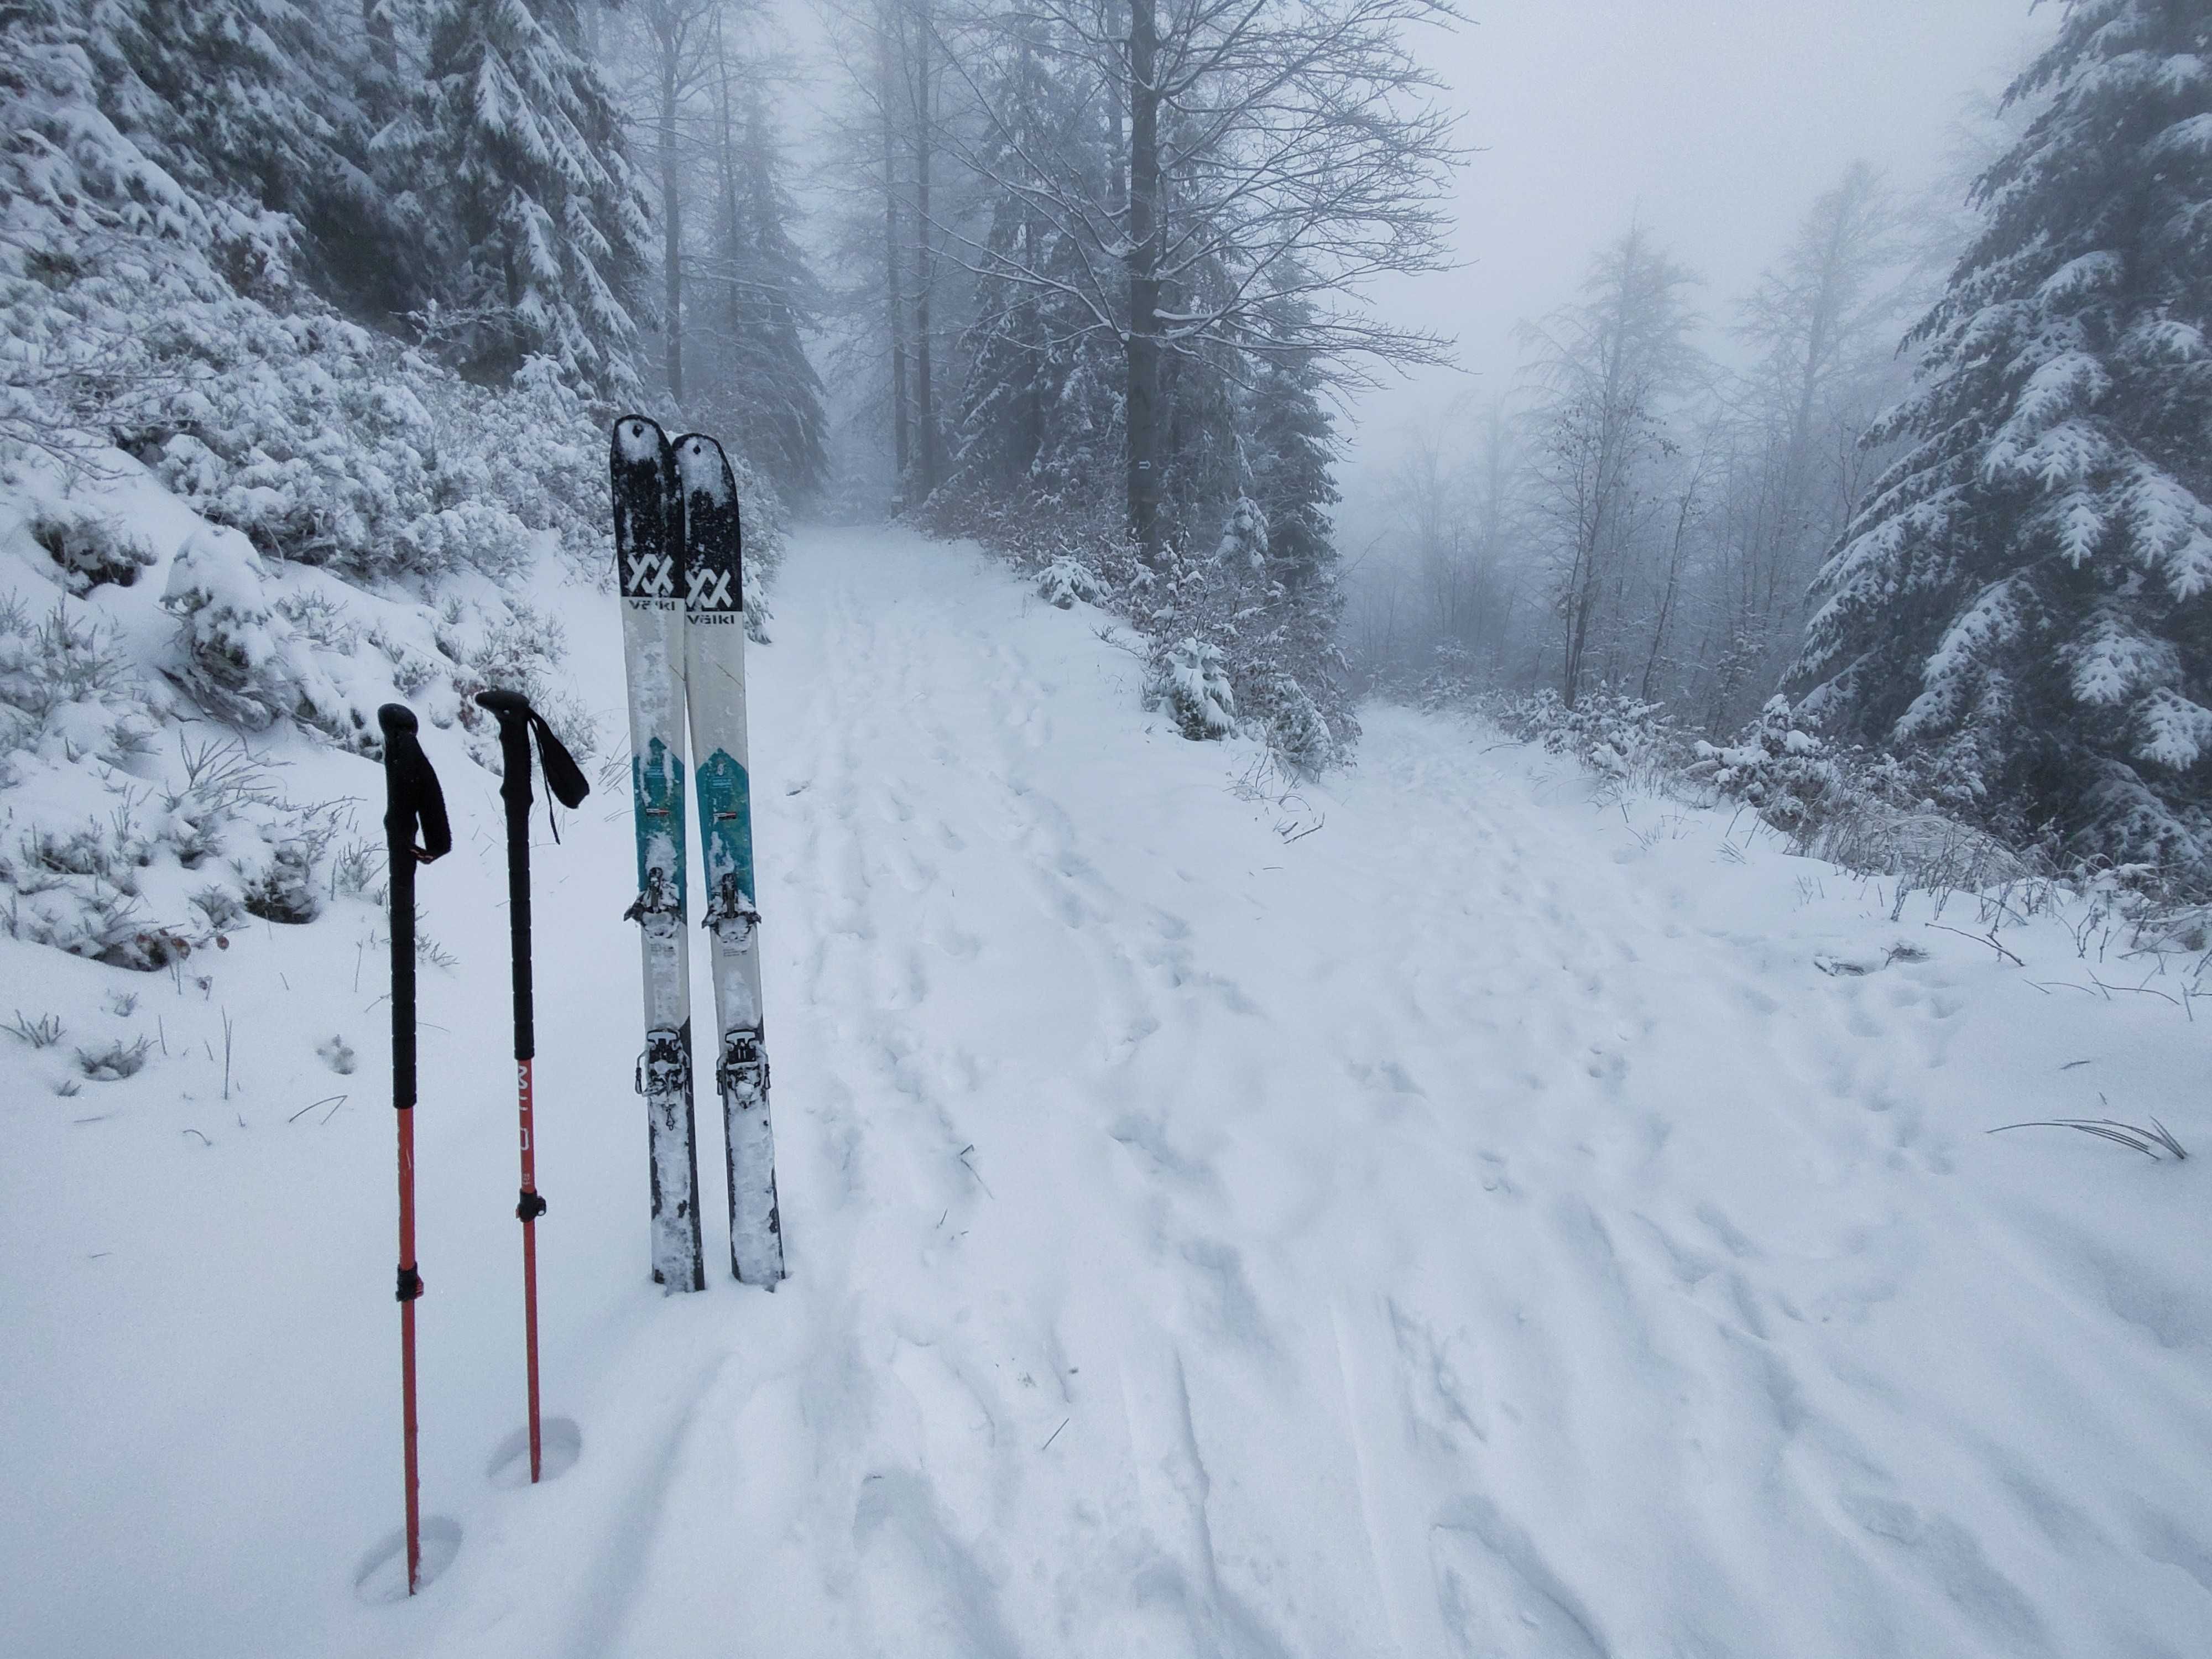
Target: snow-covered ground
[(1438, 1212)]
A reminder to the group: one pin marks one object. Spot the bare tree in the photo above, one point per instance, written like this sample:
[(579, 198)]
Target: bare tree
[(677, 31), (1824, 321), (1607, 370), (1273, 150)]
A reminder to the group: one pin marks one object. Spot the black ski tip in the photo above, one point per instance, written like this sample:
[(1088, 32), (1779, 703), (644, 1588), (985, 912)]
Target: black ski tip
[(638, 439), (699, 455)]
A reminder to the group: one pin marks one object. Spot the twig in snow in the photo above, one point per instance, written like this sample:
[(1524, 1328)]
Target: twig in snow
[(311, 1106), (970, 1168), (1054, 1435), (2140, 990), (204, 1141), (2127, 1134), (1989, 938)]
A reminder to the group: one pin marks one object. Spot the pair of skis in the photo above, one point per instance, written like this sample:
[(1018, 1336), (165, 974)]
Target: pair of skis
[(679, 563)]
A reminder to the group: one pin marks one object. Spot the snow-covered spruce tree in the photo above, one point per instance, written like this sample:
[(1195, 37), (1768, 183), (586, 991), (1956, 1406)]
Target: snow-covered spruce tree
[(2026, 597), (767, 391), (540, 227), (1292, 448), (260, 101), (1039, 422)]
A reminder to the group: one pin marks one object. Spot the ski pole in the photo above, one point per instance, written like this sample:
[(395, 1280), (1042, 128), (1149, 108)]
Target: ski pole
[(516, 719), (412, 796)]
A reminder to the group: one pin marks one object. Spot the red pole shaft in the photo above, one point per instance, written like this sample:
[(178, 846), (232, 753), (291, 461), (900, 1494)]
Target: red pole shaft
[(529, 1265), (407, 1345)]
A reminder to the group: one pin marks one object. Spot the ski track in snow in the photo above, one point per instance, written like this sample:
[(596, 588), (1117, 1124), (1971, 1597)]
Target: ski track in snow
[(1473, 1228)]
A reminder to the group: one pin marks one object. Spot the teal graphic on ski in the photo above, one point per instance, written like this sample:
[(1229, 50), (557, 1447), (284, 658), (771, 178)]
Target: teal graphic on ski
[(725, 833), (656, 779), (714, 680), (649, 573)]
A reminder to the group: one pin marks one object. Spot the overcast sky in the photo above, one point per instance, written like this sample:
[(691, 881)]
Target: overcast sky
[(1716, 120)]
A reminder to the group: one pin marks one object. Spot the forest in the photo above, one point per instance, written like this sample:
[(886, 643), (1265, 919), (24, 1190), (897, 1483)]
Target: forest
[(1091, 281), (1913, 528)]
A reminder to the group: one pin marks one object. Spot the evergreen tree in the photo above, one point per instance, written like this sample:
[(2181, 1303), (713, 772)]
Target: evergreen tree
[(1036, 414), (770, 395), (2026, 594), (1291, 450), (540, 226), (256, 101)]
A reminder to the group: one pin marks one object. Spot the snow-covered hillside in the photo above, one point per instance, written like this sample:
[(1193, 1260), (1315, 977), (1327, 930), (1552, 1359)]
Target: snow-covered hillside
[(1436, 1212)]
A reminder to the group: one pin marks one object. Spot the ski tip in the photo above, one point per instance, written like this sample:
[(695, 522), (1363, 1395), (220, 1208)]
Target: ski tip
[(704, 468), (638, 438)]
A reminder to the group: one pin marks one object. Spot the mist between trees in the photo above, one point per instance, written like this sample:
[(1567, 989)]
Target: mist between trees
[(1086, 279), (1977, 546), (1636, 514)]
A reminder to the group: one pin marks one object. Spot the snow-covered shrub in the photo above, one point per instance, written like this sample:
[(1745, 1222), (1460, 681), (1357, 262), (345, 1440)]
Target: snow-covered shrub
[(513, 647), (1269, 628), (1190, 681), (1607, 731), (1909, 818), (91, 548), (241, 658), (114, 1060), (1449, 681), (1293, 723), (1776, 766), (70, 667), (1066, 580), (283, 887), (100, 864)]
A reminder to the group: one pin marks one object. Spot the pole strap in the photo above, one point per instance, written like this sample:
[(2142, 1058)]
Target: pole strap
[(518, 721), (412, 797), (532, 1207), (410, 1285)]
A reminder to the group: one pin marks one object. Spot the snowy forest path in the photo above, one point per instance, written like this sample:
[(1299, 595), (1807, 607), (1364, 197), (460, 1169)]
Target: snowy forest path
[(1455, 1208), (1443, 1232)]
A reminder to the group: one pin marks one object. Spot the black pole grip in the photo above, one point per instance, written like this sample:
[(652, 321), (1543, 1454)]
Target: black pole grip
[(412, 800), (517, 720), (513, 710)]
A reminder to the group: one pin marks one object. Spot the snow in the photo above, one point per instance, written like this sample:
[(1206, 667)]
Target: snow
[(1461, 1207)]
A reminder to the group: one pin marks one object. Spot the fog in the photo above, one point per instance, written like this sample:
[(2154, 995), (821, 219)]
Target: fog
[(1713, 122)]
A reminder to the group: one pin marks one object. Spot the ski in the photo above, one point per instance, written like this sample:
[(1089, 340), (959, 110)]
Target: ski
[(714, 647), (649, 572)]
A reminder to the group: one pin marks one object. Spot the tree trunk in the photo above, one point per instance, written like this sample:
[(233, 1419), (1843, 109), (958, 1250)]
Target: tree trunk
[(1142, 403), (732, 218), (671, 222), (924, 273), (893, 284)]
